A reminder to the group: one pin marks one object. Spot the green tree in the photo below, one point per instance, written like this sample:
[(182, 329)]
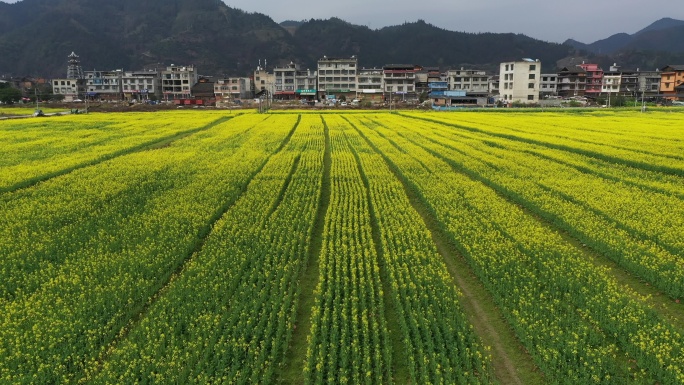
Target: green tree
[(9, 95)]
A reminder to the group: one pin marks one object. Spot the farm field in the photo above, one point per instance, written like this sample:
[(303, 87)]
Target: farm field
[(14, 111), (351, 248)]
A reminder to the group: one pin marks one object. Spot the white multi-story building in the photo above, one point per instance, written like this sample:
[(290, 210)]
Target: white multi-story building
[(103, 85), (177, 82), (473, 82), (70, 88), (140, 85), (122, 85), (519, 81), (400, 80), (548, 85), (612, 80), (337, 77), (292, 82), (370, 84), (494, 86)]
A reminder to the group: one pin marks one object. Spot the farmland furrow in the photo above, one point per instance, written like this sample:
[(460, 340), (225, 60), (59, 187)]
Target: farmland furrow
[(203, 236), (148, 145), (652, 256), (503, 244), (650, 295), (230, 315), (403, 372), (439, 344), (63, 326), (348, 341), (511, 364), (648, 180), (36, 243), (654, 163), (665, 146), (295, 358)]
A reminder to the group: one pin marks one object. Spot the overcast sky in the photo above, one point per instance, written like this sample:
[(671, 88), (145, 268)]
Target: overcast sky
[(549, 20)]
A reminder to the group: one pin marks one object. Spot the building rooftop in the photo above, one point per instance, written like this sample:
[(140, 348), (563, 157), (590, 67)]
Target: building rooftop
[(674, 67)]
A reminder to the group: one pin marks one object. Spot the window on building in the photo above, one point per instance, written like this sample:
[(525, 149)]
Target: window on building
[(506, 70), (533, 67), (530, 85), (512, 67), (531, 77), (530, 97)]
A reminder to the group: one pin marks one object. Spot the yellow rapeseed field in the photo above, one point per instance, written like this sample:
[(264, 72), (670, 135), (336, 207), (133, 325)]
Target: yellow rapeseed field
[(358, 248)]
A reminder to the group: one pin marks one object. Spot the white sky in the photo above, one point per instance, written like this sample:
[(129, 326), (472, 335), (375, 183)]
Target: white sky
[(549, 20)]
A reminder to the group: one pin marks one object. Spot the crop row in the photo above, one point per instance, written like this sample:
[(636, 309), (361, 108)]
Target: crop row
[(628, 131), (637, 228), (35, 150), (348, 340), (229, 316), (637, 154), (577, 323), (89, 249), (438, 341)]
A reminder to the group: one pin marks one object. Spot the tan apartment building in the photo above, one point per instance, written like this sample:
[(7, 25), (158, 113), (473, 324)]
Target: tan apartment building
[(231, 89), (263, 82)]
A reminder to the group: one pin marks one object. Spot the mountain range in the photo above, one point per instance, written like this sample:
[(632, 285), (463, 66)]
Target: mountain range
[(664, 35), (36, 36)]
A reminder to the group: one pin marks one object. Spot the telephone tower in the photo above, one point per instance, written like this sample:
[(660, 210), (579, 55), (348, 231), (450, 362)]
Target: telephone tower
[(74, 71)]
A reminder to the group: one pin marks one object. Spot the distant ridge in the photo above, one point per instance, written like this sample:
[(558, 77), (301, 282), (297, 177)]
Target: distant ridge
[(666, 34), (291, 26), (37, 35)]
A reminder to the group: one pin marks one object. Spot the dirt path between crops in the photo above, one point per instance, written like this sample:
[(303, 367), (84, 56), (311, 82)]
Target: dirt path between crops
[(292, 371), (511, 364), (488, 323)]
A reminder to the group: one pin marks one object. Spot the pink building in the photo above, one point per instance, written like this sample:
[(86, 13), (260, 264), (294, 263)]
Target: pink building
[(594, 79)]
